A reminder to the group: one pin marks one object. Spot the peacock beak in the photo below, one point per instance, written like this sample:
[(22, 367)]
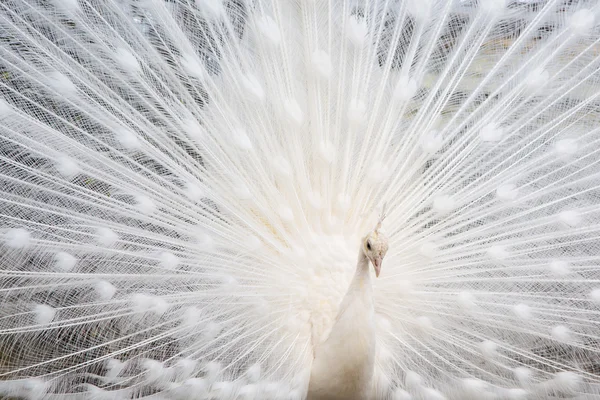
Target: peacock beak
[(377, 265)]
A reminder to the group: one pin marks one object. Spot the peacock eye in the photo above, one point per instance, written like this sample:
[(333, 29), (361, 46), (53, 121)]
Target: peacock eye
[(368, 245)]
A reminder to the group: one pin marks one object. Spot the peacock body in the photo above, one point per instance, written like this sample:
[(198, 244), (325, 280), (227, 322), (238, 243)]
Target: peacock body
[(184, 185), (343, 363)]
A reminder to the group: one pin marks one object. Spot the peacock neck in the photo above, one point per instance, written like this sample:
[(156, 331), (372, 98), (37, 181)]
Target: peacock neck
[(360, 290), (362, 276)]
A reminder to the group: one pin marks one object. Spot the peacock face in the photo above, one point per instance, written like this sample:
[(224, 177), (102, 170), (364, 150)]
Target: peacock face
[(375, 246)]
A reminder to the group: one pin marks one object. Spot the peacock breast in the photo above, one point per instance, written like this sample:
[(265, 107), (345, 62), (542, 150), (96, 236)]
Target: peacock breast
[(343, 367)]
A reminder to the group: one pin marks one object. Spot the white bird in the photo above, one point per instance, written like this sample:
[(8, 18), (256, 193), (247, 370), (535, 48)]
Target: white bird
[(344, 362), (184, 185)]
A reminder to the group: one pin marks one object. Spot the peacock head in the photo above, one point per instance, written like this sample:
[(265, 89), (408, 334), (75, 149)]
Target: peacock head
[(375, 245)]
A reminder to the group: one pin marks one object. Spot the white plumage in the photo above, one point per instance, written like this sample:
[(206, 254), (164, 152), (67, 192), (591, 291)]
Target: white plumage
[(184, 185), (343, 362)]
